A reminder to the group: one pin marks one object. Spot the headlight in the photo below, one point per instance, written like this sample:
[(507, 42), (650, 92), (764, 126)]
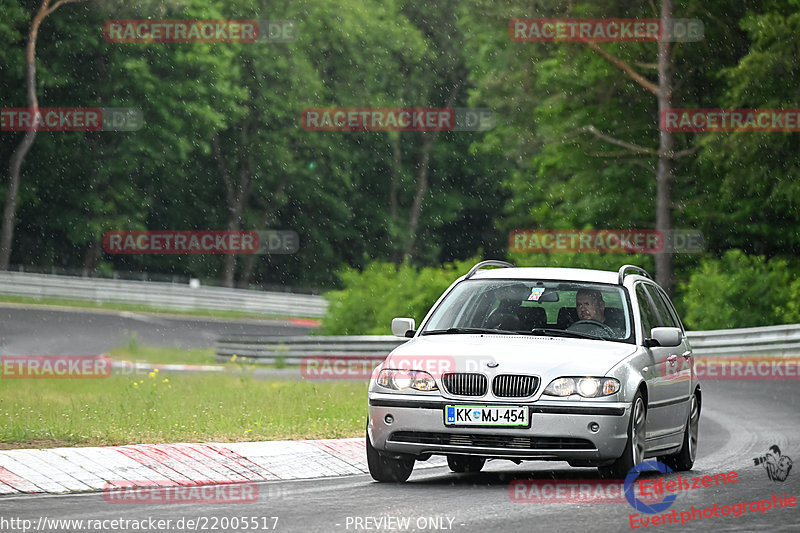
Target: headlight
[(561, 387), (406, 379), (588, 387)]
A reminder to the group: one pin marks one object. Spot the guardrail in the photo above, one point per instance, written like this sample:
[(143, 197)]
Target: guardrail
[(291, 350), (161, 295), (770, 340), (781, 341)]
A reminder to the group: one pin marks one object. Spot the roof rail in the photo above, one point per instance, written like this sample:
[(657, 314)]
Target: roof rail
[(482, 264), (638, 270)]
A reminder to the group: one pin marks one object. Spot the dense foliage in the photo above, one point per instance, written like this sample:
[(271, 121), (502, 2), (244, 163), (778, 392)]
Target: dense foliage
[(218, 114)]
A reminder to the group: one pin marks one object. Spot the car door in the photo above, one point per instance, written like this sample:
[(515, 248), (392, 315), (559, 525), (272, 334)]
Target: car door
[(660, 392), (678, 370)]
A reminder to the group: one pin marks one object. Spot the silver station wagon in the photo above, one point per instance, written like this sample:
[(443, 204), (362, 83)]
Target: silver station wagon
[(555, 364)]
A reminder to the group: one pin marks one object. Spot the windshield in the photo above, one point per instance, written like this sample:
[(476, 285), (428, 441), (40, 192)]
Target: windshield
[(566, 308)]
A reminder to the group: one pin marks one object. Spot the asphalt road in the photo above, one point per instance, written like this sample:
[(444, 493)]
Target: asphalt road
[(740, 421), (42, 331)]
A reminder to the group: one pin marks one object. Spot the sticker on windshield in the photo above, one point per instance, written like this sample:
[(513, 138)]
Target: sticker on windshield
[(536, 293)]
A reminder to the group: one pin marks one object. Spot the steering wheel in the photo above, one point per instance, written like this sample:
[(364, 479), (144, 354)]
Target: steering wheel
[(605, 327), (501, 318)]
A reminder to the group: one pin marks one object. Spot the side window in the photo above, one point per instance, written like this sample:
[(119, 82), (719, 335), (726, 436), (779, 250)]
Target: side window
[(646, 310), (675, 318), (667, 319)]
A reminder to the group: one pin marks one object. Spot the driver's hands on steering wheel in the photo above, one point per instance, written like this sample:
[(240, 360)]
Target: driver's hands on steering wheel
[(596, 323)]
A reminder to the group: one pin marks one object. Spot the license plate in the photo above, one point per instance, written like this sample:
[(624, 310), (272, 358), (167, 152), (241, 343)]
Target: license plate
[(484, 415)]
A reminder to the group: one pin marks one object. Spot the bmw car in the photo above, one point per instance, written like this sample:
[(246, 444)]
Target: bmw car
[(548, 364)]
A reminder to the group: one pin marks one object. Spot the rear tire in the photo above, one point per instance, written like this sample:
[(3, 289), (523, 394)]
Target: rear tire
[(387, 469), (635, 447), (464, 463), (684, 460)]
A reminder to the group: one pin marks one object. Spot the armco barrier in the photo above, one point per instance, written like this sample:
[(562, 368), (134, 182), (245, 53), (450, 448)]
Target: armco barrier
[(161, 295), (292, 349), (770, 340), (781, 341)]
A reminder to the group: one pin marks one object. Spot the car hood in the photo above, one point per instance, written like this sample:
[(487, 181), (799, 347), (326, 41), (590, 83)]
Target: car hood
[(548, 357)]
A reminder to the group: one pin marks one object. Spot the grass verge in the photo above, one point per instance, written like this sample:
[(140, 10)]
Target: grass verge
[(136, 353), (162, 356), (153, 408)]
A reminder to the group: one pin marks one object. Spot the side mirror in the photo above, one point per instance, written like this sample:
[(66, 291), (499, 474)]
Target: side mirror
[(666, 337), (401, 326)]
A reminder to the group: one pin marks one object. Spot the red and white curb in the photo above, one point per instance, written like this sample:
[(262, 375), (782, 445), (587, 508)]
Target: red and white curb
[(63, 470), (129, 367)]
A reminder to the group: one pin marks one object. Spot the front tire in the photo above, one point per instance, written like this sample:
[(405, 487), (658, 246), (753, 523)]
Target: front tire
[(464, 463), (387, 469), (635, 447), (684, 460)]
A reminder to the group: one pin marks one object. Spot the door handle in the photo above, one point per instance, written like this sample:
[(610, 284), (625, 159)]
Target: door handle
[(687, 354)]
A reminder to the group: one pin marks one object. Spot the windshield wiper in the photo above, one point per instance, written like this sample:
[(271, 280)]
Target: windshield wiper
[(562, 333), (469, 330)]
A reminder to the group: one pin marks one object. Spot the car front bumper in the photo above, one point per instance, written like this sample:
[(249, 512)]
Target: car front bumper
[(559, 430)]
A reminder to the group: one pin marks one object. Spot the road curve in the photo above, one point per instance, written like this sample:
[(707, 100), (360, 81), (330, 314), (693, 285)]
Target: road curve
[(47, 331), (740, 420)]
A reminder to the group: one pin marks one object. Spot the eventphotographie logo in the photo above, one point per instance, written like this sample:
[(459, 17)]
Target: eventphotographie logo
[(640, 504), (777, 465)]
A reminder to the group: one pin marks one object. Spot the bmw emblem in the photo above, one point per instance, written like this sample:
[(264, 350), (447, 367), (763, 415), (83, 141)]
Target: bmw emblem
[(492, 364)]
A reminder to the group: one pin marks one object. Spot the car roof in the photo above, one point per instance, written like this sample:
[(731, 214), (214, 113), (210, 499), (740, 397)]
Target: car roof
[(565, 274)]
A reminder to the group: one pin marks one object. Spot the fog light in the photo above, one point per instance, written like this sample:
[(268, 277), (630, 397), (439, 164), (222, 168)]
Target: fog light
[(388, 419), (594, 427)]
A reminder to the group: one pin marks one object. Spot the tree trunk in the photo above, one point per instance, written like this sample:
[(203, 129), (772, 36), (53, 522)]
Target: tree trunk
[(91, 257), (397, 161), (235, 199), (666, 150), (19, 153), (422, 178), (666, 147), (422, 190), (250, 260), (17, 157)]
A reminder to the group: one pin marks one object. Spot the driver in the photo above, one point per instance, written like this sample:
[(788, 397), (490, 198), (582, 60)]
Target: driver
[(590, 305)]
